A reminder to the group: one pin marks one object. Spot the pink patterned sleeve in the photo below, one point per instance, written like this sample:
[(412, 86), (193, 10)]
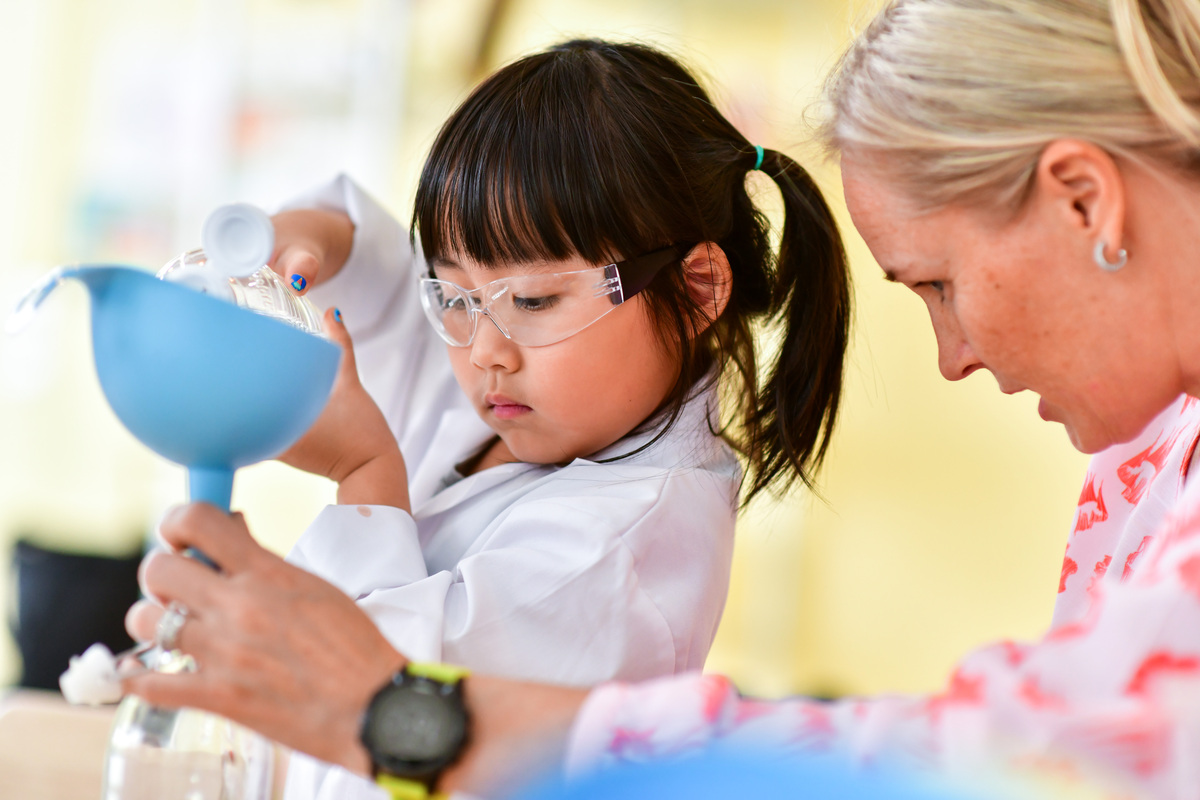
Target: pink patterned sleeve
[(1111, 693)]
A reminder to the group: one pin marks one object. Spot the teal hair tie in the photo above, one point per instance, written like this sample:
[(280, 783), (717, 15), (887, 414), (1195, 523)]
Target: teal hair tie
[(758, 161)]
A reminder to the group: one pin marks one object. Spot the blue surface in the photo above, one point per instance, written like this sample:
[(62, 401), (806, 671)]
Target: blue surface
[(201, 381), (731, 776)]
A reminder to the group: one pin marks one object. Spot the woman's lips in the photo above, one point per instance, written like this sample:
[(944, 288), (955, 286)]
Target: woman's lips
[(1044, 410)]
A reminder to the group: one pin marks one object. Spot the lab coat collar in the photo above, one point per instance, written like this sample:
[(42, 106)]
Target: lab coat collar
[(471, 486), (460, 432)]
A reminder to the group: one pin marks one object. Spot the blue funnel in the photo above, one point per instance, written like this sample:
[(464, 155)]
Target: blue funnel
[(200, 381)]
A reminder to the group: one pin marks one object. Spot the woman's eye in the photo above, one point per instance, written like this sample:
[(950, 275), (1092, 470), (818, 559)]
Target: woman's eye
[(535, 303)]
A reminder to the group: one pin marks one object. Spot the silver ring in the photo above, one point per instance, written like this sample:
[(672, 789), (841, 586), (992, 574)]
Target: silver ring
[(166, 633)]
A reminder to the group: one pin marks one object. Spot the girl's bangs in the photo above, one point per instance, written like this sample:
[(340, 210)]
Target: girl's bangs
[(534, 167), (479, 209)]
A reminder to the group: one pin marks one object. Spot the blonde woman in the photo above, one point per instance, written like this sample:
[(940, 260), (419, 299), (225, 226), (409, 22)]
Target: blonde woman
[(1031, 169)]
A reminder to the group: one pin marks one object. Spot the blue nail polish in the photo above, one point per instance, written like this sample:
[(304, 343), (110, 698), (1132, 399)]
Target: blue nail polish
[(337, 314), (298, 283)]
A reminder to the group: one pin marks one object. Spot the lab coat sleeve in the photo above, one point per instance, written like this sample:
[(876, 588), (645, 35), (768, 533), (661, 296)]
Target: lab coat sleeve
[(379, 549), (401, 362), (562, 588), (366, 551), (553, 595)]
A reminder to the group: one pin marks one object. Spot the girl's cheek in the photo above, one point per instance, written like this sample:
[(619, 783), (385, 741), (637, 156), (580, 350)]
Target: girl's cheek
[(561, 372)]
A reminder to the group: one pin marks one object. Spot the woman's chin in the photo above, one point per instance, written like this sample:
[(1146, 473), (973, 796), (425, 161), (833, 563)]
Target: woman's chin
[(1095, 438), (1086, 439), (1079, 443)]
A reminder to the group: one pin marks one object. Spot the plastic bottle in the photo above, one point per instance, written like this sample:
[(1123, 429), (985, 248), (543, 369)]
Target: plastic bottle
[(238, 240)]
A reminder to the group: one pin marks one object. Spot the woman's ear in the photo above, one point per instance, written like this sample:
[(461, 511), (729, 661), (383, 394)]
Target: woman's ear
[(709, 281), (1084, 182)]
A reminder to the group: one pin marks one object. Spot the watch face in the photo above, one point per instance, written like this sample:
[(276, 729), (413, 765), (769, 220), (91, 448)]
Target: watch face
[(415, 727)]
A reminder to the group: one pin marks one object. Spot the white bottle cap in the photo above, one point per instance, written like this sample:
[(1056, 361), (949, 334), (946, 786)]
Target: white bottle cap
[(238, 239)]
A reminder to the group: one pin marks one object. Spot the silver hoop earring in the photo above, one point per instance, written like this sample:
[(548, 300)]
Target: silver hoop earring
[(1103, 263)]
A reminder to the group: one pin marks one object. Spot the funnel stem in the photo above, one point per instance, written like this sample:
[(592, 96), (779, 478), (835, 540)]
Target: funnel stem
[(211, 485)]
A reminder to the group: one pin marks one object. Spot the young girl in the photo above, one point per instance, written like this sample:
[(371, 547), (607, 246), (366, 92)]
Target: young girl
[(590, 270)]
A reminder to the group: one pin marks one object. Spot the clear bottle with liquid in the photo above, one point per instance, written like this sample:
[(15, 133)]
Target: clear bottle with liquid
[(183, 754), (262, 291)]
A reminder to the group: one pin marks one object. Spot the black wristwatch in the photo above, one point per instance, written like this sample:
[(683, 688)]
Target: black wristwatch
[(415, 727)]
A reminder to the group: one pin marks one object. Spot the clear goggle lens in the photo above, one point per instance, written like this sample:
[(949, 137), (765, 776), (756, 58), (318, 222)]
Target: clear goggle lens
[(532, 310), (537, 309)]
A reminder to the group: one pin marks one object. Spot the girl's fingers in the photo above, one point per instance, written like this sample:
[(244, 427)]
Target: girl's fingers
[(311, 245), (335, 328), (298, 266)]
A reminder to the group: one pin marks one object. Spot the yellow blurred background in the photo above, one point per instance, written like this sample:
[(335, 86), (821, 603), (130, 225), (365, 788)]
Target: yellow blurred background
[(945, 507)]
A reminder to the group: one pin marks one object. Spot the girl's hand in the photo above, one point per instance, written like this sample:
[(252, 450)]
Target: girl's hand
[(350, 443), (311, 245)]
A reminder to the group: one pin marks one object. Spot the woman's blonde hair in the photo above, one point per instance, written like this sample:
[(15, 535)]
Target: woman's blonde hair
[(960, 96)]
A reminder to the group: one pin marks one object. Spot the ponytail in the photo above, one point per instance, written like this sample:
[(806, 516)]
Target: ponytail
[(789, 420)]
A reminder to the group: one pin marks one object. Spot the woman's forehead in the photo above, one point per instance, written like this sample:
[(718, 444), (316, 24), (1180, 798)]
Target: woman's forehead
[(900, 233), (870, 186), (879, 216)]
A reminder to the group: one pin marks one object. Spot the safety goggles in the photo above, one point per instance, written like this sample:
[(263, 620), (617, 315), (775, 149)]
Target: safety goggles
[(539, 309)]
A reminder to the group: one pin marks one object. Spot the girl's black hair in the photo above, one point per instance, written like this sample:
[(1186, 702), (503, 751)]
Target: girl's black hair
[(609, 151)]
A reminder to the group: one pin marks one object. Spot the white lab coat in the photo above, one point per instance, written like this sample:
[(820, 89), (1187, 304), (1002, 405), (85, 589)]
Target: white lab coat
[(570, 575)]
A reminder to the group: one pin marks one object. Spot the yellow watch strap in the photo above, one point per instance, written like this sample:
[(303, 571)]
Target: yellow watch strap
[(404, 789), (444, 673)]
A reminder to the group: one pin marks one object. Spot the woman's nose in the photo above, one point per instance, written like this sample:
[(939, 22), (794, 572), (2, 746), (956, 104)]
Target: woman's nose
[(491, 348), (956, 359)]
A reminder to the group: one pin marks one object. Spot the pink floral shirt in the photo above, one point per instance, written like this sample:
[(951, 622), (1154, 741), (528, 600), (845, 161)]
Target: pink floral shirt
[(1110, 695)]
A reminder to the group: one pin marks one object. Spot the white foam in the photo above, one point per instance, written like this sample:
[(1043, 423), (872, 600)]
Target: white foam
[(91, 678)]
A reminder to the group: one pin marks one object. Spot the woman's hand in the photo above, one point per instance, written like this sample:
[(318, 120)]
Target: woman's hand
[(277, 648), (311, 245), (350, 442), (283, 652)]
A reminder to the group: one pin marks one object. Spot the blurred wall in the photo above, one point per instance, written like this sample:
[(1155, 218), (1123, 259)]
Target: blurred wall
[(945, 507)]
